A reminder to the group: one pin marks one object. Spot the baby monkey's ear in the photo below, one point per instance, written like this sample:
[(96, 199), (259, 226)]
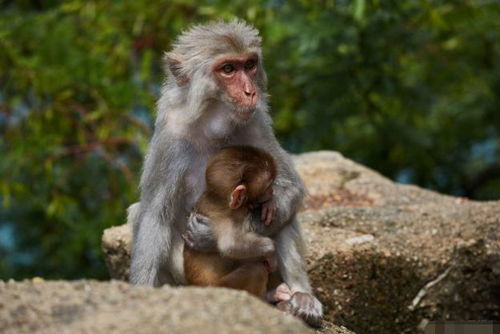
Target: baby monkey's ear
[(238, 197)]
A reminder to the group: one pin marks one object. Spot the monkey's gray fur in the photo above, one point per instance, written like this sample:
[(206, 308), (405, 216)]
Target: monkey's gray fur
[(194, 120)]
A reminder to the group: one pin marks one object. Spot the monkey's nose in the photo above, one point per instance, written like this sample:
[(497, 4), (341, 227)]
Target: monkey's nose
[(249, 93)]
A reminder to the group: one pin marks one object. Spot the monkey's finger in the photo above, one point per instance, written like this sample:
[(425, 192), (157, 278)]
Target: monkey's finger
[(279, 294), (201, 219), (282, 296), (270, 214), (284, 288), (263, 213), (187, 240), (185, 237), (269, 217)]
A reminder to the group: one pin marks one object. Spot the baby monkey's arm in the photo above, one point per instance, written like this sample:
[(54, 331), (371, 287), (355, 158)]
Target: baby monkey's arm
[(236, 243)]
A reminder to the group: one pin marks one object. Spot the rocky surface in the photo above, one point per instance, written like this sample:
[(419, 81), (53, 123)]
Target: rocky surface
[(400, 257), (384, 257), (117, 307), (116, 245)]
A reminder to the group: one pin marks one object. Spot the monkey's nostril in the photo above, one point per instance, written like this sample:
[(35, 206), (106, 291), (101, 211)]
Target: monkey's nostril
[(250, 94)]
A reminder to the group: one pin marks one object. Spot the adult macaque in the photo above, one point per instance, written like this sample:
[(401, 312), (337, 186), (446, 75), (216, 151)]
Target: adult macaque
[(238, 180), (215, 96)]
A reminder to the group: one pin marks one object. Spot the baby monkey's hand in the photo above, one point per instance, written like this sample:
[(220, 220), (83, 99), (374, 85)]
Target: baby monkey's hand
[(268, 210)]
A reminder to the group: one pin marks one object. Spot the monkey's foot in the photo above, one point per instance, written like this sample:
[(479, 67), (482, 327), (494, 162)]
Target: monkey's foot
[(281, 293), (305, 306)]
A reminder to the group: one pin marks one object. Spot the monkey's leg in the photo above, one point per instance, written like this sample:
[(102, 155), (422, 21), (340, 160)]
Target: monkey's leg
[(251, 277), (290, 249), (145, 265)]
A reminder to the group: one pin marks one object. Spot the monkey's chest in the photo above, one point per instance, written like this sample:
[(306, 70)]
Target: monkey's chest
[(195, 179)]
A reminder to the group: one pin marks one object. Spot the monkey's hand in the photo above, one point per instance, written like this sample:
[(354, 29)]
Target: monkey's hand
[(305, 306), (268, 210), (199, 235)]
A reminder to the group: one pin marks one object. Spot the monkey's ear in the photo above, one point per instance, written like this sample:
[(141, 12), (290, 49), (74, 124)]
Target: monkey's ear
[(238, 197), (174, 63)]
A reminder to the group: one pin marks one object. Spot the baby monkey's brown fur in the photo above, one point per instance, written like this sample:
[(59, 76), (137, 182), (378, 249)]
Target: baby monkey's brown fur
[(238, 179)]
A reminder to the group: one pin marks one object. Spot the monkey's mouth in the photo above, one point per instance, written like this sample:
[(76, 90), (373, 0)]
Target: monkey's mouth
[(244, 112)]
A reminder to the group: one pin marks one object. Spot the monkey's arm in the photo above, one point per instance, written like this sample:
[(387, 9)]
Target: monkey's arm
[(288, 194), (234, 243), (161, 198), (230, 241), (288, 188), (290, 251)]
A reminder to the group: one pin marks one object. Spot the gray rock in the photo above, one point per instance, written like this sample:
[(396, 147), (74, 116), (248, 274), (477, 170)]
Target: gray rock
[(116, 245), (384, 257), (117, 307)]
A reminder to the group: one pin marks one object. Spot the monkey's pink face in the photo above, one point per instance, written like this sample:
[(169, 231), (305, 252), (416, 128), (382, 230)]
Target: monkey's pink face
[(237, 77)]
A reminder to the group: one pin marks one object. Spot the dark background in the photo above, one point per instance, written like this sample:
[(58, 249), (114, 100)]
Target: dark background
[(408, 88)]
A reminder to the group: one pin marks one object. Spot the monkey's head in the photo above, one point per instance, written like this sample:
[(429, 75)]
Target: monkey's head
[(239, 176), (221, 62)]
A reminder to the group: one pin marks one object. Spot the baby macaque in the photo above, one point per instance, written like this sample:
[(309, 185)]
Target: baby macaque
[(238, 180)]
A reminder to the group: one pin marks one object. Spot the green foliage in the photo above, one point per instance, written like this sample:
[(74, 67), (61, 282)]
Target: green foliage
[(410, 88)]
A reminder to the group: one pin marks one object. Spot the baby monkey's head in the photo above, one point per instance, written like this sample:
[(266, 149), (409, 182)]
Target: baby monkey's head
[(241, 176)]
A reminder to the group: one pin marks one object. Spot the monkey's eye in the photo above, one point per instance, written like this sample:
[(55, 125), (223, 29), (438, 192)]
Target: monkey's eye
[(228, 68), (250, 64)]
